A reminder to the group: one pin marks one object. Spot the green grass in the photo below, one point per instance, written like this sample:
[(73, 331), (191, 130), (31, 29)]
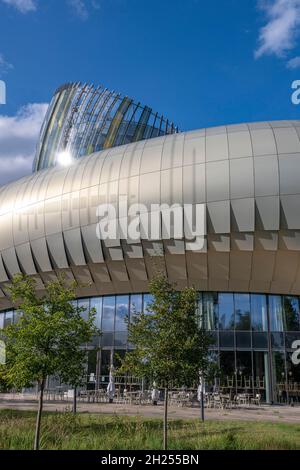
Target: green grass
[(98, 432)]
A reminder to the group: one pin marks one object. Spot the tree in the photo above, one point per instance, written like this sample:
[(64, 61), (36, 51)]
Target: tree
[(47, 338), (169, 341)]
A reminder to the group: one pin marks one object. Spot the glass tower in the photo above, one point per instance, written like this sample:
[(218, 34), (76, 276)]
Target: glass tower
[(83, 119)]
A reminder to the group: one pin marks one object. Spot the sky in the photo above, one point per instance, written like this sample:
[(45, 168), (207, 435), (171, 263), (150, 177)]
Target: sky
[(201, 63)]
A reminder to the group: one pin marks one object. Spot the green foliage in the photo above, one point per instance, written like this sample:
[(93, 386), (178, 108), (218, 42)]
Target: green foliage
[(64, 431), (47, 337), (170, 345)]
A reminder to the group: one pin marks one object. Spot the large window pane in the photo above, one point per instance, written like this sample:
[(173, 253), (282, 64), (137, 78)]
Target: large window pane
[(148, 299), (259, 312), (106, 360), (226, 339), (122, 310), (136, 304), (244, 371), (226, 312), (279, 377), (85, 305), (261, 375), (243, 339), (242, 311), (9, 316), (260, 340), (227, 370), (291, 313), (96, 303), (108, 314), (210, 310), (275, 312)]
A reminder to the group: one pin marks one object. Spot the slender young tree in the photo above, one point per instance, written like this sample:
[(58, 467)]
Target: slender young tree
[(170, 344), (47, 338)]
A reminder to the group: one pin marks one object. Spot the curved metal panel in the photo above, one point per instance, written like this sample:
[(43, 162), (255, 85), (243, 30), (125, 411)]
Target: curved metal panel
[(251, 202)]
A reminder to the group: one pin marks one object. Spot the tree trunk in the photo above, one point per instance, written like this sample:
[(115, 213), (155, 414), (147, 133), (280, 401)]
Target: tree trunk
[(39, 416), (166, 420), (75, 401), (202, 405)]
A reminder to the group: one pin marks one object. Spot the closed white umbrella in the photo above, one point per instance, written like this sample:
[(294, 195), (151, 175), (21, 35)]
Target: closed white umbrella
[(154, 394), (111, 385)]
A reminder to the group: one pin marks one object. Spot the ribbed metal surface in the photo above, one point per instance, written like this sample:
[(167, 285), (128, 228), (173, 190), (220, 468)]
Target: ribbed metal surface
[(248, 177)]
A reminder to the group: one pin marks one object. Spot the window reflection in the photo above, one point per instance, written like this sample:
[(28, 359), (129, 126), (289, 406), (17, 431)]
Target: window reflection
[(210, 310), (136, 306), (8, 318), (122, 308), (242, 311), (259, 312), (108, 314), (226, 312), (148, 299), (85, 305), (275, 311), (291, 313), (96, 303)]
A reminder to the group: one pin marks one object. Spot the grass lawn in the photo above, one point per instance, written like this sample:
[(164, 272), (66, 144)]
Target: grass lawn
[(97, 432)]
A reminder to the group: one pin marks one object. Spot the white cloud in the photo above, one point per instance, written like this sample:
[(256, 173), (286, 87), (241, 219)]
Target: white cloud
[(4, 65), (24, 6), (18, 138), (79, 9), (279, 35), (293, 63)]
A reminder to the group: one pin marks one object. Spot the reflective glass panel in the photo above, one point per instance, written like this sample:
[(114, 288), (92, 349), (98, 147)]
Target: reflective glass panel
[(259, 312), (226, 312), (227, 370), (147, 301), (277, 340), (136, 304), (96, 303), (261, 379), (244, 371), (291, 313), (279, 377), (210, 310), (85, 305), (275, 313), (243, 339), (108, 314), (242, 311), (260, 340), (9, 316), (226, 339), (122, 310)]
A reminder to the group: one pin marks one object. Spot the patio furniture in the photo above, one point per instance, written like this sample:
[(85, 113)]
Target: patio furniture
[(256, 400)]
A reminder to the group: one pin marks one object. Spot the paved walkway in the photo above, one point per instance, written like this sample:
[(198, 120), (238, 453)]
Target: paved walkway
[(282, 414)]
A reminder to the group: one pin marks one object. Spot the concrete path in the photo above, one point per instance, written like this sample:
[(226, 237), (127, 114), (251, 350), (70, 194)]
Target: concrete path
[(282, 414)]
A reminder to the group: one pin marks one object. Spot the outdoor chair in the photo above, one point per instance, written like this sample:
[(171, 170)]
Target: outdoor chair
[(256, 400)]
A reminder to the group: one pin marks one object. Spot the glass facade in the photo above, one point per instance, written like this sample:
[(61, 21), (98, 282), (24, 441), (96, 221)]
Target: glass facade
[(252, 339), (83, 119)]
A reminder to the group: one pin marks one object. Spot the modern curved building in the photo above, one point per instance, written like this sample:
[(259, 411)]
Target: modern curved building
[(246, 176)]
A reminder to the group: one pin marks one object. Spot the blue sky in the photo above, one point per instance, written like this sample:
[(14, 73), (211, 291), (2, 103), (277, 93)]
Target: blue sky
[(201, 63)]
